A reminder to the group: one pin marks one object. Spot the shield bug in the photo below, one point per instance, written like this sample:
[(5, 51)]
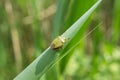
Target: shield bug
[(58, 43)]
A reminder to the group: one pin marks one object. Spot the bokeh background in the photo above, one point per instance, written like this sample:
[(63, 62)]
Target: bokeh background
[(27, 28)]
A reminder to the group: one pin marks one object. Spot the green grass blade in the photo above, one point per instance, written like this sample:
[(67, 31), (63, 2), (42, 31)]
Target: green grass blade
[(49, 57), (116, 22), (78, 24), (60, 15), (76, 13), (36, 68)]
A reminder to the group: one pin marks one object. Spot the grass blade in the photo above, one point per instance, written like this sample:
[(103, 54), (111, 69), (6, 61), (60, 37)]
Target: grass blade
[(49, 57)]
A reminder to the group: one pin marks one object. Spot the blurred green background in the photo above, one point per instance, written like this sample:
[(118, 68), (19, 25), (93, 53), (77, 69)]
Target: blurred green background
[(27, 28)]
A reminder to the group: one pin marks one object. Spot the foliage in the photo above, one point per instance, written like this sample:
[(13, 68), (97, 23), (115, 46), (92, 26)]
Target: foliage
[(28, 27)]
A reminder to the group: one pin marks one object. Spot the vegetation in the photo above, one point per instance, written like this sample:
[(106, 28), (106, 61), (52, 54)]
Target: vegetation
[(27, 29)]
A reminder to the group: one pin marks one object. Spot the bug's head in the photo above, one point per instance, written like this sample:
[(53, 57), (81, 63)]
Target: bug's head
[(63, 39)]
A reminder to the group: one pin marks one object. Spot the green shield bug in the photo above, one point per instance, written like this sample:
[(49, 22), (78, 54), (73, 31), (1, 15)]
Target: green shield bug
[(58, 43)]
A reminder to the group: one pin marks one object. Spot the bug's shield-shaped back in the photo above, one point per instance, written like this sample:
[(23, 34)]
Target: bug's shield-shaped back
[(57, 43)]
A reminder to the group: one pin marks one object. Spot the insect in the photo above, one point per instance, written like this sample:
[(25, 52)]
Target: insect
[(58, 43)]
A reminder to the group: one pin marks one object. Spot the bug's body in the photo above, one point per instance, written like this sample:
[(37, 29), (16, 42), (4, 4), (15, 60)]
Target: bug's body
[(58, 43)]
